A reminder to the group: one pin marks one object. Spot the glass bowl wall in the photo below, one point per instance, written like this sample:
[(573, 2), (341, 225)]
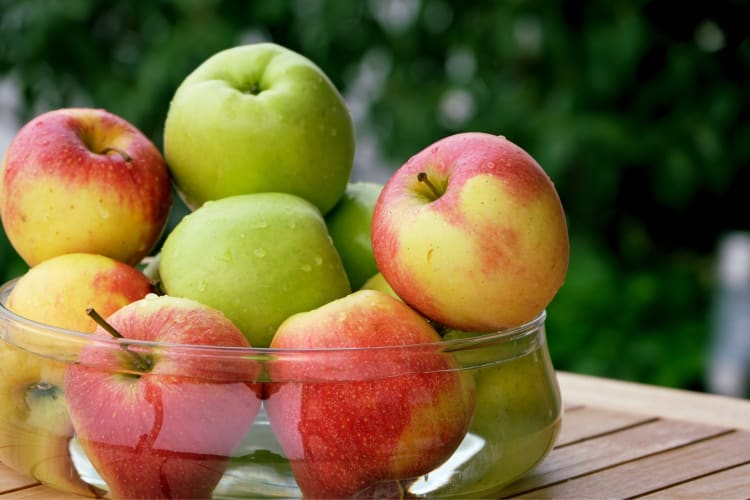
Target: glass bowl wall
[(515, 413)]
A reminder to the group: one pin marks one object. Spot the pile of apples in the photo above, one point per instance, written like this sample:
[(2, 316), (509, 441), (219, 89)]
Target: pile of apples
[(280, 250)]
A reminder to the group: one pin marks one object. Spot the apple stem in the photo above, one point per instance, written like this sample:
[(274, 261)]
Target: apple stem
[(140, 363), (422, 177), (103, 323), (120, 152)]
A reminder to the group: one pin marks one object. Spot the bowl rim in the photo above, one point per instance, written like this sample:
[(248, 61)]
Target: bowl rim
[(513, 333)]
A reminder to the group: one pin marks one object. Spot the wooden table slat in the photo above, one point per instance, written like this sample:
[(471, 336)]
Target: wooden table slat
[(585, 423), (633, 397), (12, 480), (40, 492), (659, 471), (729, 483), (609, 450)]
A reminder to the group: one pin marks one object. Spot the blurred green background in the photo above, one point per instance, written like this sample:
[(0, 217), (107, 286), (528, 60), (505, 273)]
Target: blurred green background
[(637, 110)]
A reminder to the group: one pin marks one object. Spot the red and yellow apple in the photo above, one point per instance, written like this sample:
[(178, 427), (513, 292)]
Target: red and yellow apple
[(161, 422), (355, 421), (34, 425), (471, 233), (58, 291), (83, 180)]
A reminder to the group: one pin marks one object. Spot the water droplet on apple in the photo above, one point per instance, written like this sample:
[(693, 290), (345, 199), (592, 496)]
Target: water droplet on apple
[(306, 268), (292, 224), (103, 213), (259, 224), (201, 286), (259, 252), (318, 260)]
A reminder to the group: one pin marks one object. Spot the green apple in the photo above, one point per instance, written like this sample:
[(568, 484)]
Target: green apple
[(259, 118), (471, 232), (349, 225), (517, 412), (83, 180), (259, 258), (35, 428), (377, 282)]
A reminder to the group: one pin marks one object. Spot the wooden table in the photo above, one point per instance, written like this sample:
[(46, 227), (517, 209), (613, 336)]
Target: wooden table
[(618, 440)]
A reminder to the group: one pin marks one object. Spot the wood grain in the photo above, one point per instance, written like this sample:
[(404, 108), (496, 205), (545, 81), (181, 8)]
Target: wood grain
[(662, 470), (664, 402), (599, 453)]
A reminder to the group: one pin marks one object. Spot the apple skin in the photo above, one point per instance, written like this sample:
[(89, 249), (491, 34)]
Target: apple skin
[(83, 180), (58, 291), (272, 116), (489, 251), (34, 424), (349, 226), (360, 421), (165, 431), (258, 258), (518, 411), (377, 282)]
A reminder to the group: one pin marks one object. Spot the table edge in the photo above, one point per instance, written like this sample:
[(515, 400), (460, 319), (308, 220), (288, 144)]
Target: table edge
[(634, 397)]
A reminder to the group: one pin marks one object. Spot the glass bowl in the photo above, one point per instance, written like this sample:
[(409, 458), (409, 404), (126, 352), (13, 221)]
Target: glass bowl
[(246, 421)]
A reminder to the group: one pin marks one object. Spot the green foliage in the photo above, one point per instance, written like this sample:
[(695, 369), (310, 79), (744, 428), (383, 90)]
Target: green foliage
[(637, 114)]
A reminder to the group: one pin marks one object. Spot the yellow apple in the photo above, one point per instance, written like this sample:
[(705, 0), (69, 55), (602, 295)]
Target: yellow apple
[(34, 424)]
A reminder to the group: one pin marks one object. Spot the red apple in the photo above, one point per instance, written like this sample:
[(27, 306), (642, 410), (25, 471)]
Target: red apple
[(83, 180), (161, 421), (471, 233), (353, 422)]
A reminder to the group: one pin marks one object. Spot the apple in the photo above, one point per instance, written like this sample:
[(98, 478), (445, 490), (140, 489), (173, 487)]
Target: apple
[(161, 422), (58, 291), (377, 282), (517, 413), (471, 232), (259, 118), (356, 422), (83, 180), (258, 258), (34, 425), (349, 226)]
